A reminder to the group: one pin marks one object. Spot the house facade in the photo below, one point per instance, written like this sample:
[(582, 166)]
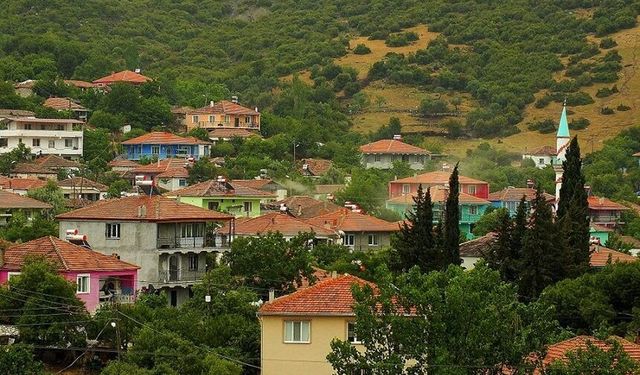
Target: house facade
[(167, 239), (82, 189), (223, 114), (11, 203), (63, 137), (409, 185), (224, 196), (125, 76), (510, 197), (296, 330), (99, 278), (169, 174), (66, 104), (164, 145), (605, 212), (381, 154), (285, 224), (542, 157)]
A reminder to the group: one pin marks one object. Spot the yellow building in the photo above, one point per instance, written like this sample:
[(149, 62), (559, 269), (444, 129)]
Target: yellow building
[(297, 329), (223, 114)]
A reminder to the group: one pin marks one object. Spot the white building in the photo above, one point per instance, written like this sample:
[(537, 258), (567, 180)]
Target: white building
[(61, 137)]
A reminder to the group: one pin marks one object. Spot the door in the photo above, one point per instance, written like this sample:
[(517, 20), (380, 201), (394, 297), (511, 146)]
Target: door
[(173, 268), (173, 296), (237, 122)]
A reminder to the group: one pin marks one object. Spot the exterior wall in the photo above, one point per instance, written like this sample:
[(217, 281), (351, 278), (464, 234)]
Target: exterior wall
[(83, 193), (385, 161), (47, 135), (280, 358), (231, 205), (605, 217), (361, 240), (396, 189), (469, 263), (541, 161), (136, 152), (7, 213), (601, 235), (172, 184), (206, 121), (92, 299)]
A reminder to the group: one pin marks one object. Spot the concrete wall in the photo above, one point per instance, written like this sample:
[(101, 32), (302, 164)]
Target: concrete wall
[(469, 263), (362, 240), (211, 121), (385, 161), (477, 190), (280, 358), (231, 205)]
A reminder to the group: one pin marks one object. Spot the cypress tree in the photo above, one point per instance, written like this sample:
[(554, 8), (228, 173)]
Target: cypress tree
[(499, 257), (414, 243), (451, 229), (519, 227), (539, 251)]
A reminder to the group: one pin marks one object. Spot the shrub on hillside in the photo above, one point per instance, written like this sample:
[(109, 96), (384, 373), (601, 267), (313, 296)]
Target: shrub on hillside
[(401, 39), (607, 111), (605, 91), (579, 98), (544, 126), (361, 49), (607, 43), (579, 124), (623, 108)]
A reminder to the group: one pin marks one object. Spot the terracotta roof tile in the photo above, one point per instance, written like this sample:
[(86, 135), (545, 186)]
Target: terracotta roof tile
[(439, 195), (164, 138), (227, 133), (315, 167), (81, 182), (328, 297), (601, 255), (349, 221), (11, 200), (21, 183), (79, 84), (543, 151), (123, 76), (16, 113), (284, 223), (513, 194), (306, 207), (123, 163), (436, 178), (55, 161), (214, 188), (63, 104), (32, 168), (478, 247), (600, 203), (64, 255), (392, 146), (559, 350), (257, 184), (224, 107), (143, 208)]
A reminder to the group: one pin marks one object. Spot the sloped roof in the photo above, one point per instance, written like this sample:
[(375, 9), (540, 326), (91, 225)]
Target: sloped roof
[(55, 161), (349, 221), (16, 113), (392, 146), (513, 194), (224, 107), (81, 182), (79, 84), (478, 247), (600, 203), (11, 200), (316, 167), (166, 168), (305, 207), (601, 255), (21, 183), (543, 151), (280, 222), (439, 194), (332, 297), (64, 255), (328, 189), (143, 208), (32, 168), (214, 188), (257, 184), (123, 76), (164, 138), (63, 104), (25, 84), (558, 351), (227, 133), (124, 163), (436, 178)]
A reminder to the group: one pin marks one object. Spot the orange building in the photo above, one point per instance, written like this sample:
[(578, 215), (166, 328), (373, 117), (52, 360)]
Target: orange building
[(223, 114)]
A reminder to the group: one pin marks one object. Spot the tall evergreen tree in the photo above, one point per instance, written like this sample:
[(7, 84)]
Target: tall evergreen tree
[(500, 255), (414, 243), (519, 226), (540, 252), (573, 214), (451, 229)]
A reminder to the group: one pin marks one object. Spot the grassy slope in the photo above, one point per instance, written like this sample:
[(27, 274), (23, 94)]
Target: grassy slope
[(401, 100)]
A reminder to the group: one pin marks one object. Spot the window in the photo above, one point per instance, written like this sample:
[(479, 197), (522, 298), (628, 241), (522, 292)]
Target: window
[(11, 275), (227, 119), (473, 210), (52, 144), (193, 262), (541, 161), (377, 158), (212, 118), (213, 205), (82, 282), (350, 240), (27, 126), (155, 150), (471, 189), (373, 240), (297, 331), (247, 206), (190, 230), (59, 127), (248, 120), (4, 142), (68, 143), (196, 119), (351, 333), (406, 188), (35, 142), (182, 182), (405, 158), (112, 231)]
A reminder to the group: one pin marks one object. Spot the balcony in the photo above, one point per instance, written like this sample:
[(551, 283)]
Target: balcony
[(41, 133), (179, 277)]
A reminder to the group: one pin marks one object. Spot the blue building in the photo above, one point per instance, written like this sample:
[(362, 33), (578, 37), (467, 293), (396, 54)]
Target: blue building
[(510, 197), (165, 145)]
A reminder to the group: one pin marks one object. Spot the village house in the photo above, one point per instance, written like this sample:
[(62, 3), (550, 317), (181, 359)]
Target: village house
[(33, 171), (67, 104), (297, 329), (358, 231), (168, 239), (510, 197), (225, 196), (164, 145), (63, 137), (471, 208), (305, 207), (168, 174), (20, 186), (25, 88), (542, 156), (409, 185), (381, 154), (605, 212), (11, 203), (314, 167), (125, 76), (122, 166), (99, 278), (82, 189), (11, 113), (266, 185), (285, 224), (224, 115)]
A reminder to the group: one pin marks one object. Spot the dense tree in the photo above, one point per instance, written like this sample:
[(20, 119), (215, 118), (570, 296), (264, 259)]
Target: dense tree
[(451, 227), (23, 229), (202, 170), (10, 159), (596, 361), (18, 359), (51, 194), (488, 222)]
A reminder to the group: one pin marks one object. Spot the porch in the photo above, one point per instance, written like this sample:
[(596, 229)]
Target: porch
[(184, 237), (117, 289)]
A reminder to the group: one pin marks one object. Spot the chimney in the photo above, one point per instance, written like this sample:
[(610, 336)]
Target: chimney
[(397, 137), (299, 212), (530, 183), (256, 109), (272, 294), (334, 274), (211, 103), (234, 99)]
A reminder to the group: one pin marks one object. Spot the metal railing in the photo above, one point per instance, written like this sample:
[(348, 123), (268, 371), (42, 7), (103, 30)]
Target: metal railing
[(209, 241), (179, 276)]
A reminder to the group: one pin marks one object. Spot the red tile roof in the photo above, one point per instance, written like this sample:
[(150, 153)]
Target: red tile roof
[(257, 184), (559, 350), (32, 168), (331, 297), (600, 256), (306, 207), (228, 133), (349, 221), (478, 247), (164, 138), (280, 222), (81, 182), (55, 161), (143, 208), (123, 76), (63, 104), (64, 255), (16, 113), (11, 200), (123, 163), (439, 194), (543, 151), (166, 168), (315, 167), (21, 183), (79, 84), (513, 194), (436, 178), (392, 146), (214, 188), (224, 107), (599, 203)]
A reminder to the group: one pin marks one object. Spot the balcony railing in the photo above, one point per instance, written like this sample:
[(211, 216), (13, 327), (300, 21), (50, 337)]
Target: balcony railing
[(179, 276), (210, 241)]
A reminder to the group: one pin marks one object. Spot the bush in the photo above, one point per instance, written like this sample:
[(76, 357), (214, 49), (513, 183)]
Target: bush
[(579, 98), (433, 107), (579, 124), (401, 39), (607, 111), (544, 101), (378, 35), (351, 89), (545, 126), (361, 49), (607, 43), (623, 108), (605, 91)]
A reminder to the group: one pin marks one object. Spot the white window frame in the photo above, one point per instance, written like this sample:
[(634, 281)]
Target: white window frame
[(246, 205), (69, 142), (374, 237), (406, 189), (10, 275), (355, 340), (227, 119), (289, 331), (52, 144), (155, 148), (471, 189), (349, 239), (112, 231), (193, 262), (195, 118), (182, 182), (212, 118), (473, 210), (79, 284), (35, 142), (377, 158)]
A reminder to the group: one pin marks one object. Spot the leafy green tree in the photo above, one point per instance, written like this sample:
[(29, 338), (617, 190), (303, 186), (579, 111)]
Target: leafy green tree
[(97, 148), (451, 227), (388, 131), (433, 107), (21, 229), (421, 322), (595, 360), (367, 188), (124, 368), (202, 170), (19, 154), (106, 120), (49, 193), (199, 133), (19, 360), (489, 222)]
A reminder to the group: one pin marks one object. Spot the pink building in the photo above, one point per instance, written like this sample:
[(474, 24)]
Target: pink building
[(99, 278), (409, 185)]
